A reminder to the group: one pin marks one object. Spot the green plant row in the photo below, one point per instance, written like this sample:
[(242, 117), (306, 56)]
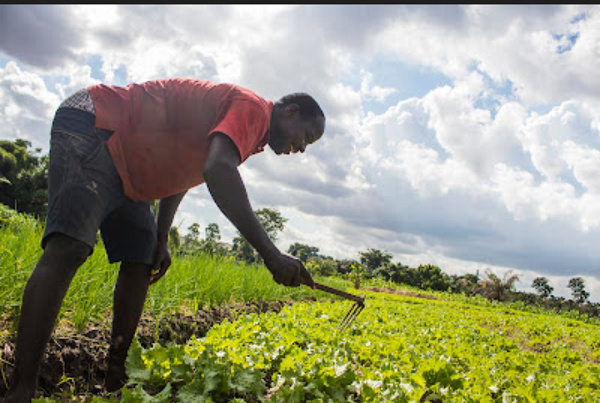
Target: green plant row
[(400, 349)]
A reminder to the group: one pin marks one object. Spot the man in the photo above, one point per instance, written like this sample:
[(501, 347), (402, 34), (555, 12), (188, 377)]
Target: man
[(115, 149)]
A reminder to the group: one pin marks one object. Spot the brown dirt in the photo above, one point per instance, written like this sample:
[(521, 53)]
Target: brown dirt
[(75, 362)]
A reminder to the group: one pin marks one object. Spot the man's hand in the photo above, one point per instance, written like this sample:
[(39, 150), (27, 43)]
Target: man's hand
[(289, 271), (166, 211), (162, 261)]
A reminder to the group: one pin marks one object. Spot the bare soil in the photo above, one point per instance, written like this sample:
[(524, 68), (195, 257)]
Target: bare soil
[(74, 364)]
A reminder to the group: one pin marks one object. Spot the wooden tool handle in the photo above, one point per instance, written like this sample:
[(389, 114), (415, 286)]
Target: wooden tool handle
[(340, 293)]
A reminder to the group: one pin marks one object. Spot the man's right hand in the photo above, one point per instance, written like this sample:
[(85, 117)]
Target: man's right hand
[(229, 193), (289, 271)]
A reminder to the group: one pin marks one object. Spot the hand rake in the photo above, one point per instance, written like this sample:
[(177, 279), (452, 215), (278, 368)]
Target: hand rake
[(356, 308)]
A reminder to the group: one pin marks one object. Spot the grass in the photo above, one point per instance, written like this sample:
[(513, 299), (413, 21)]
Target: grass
[(19, 251), (192, 282), (204, 281)]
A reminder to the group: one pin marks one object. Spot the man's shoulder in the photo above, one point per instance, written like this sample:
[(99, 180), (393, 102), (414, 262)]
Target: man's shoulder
[(241, 94)]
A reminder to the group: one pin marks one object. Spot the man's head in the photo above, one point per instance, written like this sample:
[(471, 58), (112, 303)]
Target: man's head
[(296, 122)]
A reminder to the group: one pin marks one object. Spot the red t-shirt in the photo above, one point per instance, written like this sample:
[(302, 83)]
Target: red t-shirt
[(162, 129)]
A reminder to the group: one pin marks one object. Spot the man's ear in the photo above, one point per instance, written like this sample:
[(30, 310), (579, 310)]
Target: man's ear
[(292, 109)]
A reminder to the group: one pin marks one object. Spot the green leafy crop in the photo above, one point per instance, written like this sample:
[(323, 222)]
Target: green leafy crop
[(400, 349)]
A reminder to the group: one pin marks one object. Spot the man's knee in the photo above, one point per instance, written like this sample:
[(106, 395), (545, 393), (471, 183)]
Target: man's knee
[(66, 251), (135, 269)]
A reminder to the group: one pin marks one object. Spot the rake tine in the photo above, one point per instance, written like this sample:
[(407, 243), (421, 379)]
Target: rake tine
[(348, 314), (355, 310), (344, 325)]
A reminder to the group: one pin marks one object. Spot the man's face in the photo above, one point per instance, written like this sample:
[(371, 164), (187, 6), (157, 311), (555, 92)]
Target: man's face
[(291, 134)]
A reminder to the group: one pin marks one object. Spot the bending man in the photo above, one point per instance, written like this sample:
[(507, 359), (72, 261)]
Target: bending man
[(113, 150)]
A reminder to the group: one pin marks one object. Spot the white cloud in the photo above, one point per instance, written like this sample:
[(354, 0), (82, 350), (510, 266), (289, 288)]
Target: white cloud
[(367, 89), (26, 106), (496, 168), (585, 163)]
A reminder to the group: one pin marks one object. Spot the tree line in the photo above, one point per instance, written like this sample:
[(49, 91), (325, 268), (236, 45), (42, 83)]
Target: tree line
[(378, 264), (23, 178), (23, 187)]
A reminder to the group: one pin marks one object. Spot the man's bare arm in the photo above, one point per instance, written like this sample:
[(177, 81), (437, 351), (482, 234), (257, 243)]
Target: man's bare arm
[(229, 192), (167, 208)]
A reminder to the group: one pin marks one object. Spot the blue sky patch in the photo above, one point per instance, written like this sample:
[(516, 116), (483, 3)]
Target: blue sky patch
[(95, 62), (565, 42), (408, 80), (4, 60)]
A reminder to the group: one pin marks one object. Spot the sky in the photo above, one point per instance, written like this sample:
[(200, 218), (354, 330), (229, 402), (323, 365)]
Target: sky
[(464, 136)]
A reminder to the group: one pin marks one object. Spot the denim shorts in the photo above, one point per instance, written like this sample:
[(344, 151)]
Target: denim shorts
[(85, 192)]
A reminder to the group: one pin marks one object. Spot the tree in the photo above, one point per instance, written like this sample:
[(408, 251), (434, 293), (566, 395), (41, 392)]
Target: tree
[(212, 232), (397, 273), (496, 288), (431, 277), (23, 178), (322, 266), (194, 231), (174, 239), (212, 240), (242, 250), (303, 252), (273, 223), (191, 241), (372, 259), (577, 286), (345, 266), (467, 283), (542, 286)]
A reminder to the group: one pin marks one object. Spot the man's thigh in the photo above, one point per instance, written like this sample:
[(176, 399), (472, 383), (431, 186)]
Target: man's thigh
[(130, 234), (83, 184)]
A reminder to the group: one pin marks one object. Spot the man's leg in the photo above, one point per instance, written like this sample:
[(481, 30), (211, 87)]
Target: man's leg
[(129, 297), (42, 299)]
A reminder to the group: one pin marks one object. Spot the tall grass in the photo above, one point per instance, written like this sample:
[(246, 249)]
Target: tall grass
[(204, 281), (192, 282), (19, 251)]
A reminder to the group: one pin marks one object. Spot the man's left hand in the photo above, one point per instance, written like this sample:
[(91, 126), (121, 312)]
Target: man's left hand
[(162, 261)]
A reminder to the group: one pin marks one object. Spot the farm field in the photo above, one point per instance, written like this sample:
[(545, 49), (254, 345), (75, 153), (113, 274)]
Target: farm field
[(401, 349), (218, 331)]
